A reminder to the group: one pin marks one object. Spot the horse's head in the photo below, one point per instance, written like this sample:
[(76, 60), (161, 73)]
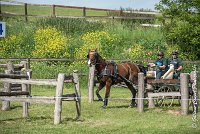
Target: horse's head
[(92, 57)]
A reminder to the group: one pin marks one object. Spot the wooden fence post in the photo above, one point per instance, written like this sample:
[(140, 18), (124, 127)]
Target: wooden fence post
[(197, 93), (140, 92), (53, 10), (26, 12), (7, 88), (84, 11), (91, 84), (184, 93), (150, 99), (58, 102), (29, 73), (25, 104), (78, 93)]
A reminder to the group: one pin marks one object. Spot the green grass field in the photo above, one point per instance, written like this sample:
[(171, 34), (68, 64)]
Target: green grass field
[(116, 118)]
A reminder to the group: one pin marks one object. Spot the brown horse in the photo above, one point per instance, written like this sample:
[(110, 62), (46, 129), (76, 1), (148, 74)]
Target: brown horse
[(109, 73)]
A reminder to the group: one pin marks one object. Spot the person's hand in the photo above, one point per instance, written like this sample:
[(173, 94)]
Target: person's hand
[(151, 64)]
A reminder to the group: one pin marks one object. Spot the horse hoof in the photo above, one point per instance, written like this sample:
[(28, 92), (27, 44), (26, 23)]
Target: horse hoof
[(130, 106), (100, 99), (104, 106)]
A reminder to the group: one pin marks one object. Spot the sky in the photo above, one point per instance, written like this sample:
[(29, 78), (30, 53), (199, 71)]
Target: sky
[(106, 4)]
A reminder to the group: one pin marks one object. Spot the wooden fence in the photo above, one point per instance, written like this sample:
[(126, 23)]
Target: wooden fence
[(183, 93), (147, 15), (25, 94)]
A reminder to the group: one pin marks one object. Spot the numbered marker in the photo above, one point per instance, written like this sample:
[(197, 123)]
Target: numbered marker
[(2, 29)]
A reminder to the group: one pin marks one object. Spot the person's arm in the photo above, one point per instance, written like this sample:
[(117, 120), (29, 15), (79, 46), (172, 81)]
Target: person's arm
[(180, 66), (162, 67), (152, 64), (164, 64)]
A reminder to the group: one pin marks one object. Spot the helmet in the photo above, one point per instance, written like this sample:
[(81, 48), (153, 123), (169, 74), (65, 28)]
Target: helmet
[(160, 53), (174, 52)]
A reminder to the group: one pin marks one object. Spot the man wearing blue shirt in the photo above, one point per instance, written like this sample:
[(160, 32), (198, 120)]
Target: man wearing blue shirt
[(160, 64)]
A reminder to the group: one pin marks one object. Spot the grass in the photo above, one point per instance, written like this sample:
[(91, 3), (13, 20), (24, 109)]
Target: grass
[(116, 118)]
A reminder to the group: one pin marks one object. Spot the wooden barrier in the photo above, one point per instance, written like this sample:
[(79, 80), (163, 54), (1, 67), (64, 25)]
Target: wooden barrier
[(57, 100), (91, 84), (14, 72), (140, 92), (183, 93)]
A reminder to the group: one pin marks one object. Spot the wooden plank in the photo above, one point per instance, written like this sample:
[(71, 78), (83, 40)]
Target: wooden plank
[(31, 81), (14, 93), (15, 65), (150, 95), (80, 17), (13, 76), (38, 99), (166, 81), (68, 81)]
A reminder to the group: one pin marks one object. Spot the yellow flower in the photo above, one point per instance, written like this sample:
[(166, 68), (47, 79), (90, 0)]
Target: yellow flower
[(49, 42)]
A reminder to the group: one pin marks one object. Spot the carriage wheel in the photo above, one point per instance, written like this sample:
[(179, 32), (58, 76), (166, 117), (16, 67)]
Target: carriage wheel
[(165, 101)]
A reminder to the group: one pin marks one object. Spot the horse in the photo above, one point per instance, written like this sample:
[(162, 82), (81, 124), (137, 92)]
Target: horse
[(110, 73)]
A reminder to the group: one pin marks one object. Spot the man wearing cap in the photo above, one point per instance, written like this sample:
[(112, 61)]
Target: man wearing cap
[(160, 64), (177, 62)]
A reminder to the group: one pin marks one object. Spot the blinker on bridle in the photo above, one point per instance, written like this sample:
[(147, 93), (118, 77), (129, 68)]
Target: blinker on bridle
[(94, 62)]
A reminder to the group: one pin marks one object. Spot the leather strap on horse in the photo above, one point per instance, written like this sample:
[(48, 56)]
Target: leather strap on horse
[(107, 72), (128, 81)]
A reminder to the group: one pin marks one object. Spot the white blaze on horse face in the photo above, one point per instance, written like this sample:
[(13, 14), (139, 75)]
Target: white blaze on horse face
[(89, 62)]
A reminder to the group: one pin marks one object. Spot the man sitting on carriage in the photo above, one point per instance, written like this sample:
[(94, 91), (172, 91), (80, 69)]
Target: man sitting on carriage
[(177, 64), (161, 65)]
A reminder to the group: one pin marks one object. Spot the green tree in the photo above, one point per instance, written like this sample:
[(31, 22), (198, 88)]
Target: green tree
[(182, 26)]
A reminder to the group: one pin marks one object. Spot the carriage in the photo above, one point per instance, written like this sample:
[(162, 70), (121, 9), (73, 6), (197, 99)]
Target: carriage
[(166, 91), (163, 91)]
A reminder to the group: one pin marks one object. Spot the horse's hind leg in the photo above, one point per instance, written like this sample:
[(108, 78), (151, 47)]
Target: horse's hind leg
[(101, 85), (133, 91)]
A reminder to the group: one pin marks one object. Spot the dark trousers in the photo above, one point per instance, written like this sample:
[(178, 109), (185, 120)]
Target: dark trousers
[(159, 74)]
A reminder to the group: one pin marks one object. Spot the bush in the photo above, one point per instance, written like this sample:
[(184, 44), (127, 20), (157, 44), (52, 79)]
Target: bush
[(50, 43)]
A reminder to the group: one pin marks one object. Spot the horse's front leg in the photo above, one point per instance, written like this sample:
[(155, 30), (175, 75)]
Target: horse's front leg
[(108, 86), (101, 85)]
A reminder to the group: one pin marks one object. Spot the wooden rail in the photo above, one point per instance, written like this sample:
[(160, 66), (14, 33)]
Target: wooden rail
[(57, 100), (184, 93), (84, 15), (52, 82), (166, 81)]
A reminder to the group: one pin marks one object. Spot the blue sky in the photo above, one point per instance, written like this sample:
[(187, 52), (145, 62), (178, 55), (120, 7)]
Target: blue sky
[(107, 4)]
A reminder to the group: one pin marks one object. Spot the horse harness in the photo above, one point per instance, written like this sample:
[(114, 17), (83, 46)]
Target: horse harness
[(107, 72)]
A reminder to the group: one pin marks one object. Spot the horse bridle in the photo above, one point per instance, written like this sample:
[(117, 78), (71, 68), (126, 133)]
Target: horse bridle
[(94, 62)]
